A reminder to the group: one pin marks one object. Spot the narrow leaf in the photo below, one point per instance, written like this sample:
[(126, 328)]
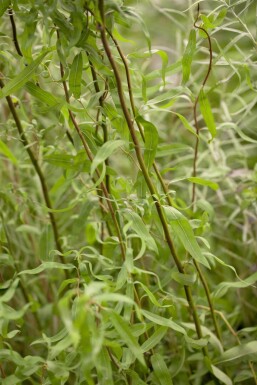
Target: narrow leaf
[(42, 95), (75, 75), (151, 141), (140, 228), (223, 287), (181, 227), (7, 152), (221, 375), (240, 351), (22, 78), (155, 338), (125, 333), (186, 124), (104, 368), (4, 4), (159, 320), (46, 266), (160, 369), (104, 152), (207, 113), (188, 56), (183, 279), (204, 182)]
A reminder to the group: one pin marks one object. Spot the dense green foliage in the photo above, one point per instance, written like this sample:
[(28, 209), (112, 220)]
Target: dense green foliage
[(128, 195)]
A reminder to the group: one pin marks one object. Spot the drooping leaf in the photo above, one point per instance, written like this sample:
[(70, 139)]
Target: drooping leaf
[(151, 141), (159, 320), (223, 287), (155, 338), (7, 152), (75, 76), (188, 56), (181, 227), (104, 152), (46, 266), (185, 123), (184, 279), (4, 4), (220, 375), (238, 352), (104, 368), (161, 370), (23, 77), (206, 111), (42, 95), (204, 182), (124, 331), (140, 228)]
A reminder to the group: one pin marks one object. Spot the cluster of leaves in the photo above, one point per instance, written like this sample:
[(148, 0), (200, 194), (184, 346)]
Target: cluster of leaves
[(128, 202)]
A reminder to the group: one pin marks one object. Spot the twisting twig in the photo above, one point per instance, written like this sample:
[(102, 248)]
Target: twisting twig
[(197, 99)]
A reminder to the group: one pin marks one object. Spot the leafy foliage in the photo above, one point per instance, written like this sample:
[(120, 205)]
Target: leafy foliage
[(128, 194)]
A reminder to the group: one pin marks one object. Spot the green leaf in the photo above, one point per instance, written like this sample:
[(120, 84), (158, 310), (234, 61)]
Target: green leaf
[(151, 141), (4, 4), (159, 320), (75, 76), (221, 375), (140, 228), (155, 338), (42, 95), (207, 113), (185, 123), (104, 368), (7, 152), (7, 296), (125, 333), (46, 242), (46, 266), (104, 152), (136, 380), (184, 279), (238, 352), (204, 182), (223, 287), (23, 77), (160, 369), (188, 56), (181, 227)]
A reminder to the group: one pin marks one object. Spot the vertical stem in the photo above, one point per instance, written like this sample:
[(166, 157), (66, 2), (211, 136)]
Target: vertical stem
[(38, 171), (101, 27)]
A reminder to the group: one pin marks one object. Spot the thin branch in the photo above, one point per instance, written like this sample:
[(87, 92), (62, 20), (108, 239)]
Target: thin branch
[(101, 27), (196, 102), (38, 170)]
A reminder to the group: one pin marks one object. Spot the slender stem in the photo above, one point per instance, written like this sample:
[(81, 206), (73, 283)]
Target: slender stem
[(14, 32), (101, 27), (197, 128), (197, 266), (103, 123), (38, 170), (91, 157), (131, 98)]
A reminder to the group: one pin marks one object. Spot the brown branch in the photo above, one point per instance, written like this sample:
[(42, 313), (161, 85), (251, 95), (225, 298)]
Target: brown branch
[(152, 190)]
